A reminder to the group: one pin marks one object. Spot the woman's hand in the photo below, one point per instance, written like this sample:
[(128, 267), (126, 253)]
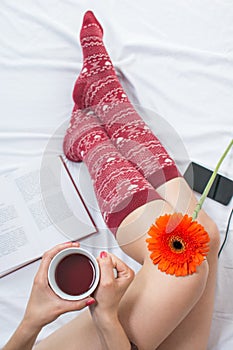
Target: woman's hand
[(44, 306), (108, 295), (111, 288)]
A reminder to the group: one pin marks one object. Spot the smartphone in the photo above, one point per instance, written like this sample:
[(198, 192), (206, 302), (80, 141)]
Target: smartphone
[(198, 176)]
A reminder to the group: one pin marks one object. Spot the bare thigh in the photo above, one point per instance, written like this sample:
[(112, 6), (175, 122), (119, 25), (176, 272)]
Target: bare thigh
[(193, 331), (80, 333)]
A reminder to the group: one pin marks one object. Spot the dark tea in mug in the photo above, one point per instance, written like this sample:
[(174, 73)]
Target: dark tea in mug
[(75, 274)]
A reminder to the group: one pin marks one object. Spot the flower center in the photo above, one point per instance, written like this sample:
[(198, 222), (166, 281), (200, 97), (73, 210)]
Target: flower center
[(176, 244)]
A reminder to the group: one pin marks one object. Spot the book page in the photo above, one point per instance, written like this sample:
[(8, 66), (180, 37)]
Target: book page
[(64, 205), (16, 228), (40, 207)]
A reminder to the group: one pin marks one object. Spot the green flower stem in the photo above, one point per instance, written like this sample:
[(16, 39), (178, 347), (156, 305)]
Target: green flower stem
[(210, 182)]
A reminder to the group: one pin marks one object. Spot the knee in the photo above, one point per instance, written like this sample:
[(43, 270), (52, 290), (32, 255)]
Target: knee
[(212, 229), (198, 280), (214, 238)]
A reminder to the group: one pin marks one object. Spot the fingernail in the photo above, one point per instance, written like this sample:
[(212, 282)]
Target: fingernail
[(90, 302), (103, 255)]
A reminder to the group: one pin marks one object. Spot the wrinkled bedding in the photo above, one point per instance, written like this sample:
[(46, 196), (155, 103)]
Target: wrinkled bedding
[(174, 59)]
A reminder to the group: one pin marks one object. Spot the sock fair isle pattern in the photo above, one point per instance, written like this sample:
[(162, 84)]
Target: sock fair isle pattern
[(119, 187), (99, 88)]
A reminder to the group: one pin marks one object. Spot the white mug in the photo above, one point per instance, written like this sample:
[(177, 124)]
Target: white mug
[(73, 273)]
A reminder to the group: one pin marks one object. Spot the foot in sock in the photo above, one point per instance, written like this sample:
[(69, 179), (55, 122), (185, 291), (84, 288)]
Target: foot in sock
[(99, 88), (119, 187)]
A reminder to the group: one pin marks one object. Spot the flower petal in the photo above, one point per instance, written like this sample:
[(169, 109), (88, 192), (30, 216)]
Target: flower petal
[(177, 244)]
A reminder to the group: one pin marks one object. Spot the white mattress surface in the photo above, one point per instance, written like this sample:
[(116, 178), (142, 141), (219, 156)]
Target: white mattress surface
[(175, 59)]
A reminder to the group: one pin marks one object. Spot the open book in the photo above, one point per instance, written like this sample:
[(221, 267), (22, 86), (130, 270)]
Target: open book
[(40, 207)]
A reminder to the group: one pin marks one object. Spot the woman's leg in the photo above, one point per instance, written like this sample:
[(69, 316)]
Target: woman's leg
[(150, 293), (80, 333), (162, 301), (171, 308), (193, 331), (98, 87), (119, 187)]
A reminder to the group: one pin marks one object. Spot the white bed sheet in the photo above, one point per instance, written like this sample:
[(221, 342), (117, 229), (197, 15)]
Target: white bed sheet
[(174, 58)]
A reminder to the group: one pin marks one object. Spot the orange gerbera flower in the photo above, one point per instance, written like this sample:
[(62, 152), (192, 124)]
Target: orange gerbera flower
[(178, 244)]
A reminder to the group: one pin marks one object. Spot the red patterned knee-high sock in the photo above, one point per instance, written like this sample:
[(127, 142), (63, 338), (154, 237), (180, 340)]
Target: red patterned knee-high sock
[(118, 186), (99, 88), (81, 123)]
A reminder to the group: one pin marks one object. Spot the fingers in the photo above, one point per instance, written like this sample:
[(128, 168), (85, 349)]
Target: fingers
[(78, 305), (106, 268), (123, 270), (108, 262), (48, 256)]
